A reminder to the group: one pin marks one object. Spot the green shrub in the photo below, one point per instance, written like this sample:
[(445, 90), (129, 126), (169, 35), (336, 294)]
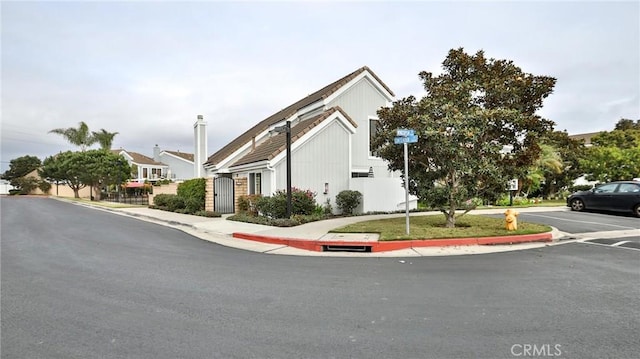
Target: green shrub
[(176, 203), (247, 204), (209, 214), (272, 207), (193, 205), (162, 200), (348, 200), (193, 189), (244, 217), (327, 208), (302, 202), (517, 201), (44, 186), (26, 184)]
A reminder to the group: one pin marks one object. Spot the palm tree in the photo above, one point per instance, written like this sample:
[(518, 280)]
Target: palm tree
[(77, 136), (104, 138), (549, 161)]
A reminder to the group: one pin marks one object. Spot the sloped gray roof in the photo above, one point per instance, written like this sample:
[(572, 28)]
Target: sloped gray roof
[(263, 125), (276, 144)]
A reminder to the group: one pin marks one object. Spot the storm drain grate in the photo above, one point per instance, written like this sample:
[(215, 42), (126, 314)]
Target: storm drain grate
[(338, 248)]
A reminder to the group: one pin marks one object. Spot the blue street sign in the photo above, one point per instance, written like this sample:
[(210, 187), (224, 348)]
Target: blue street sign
[(403, 132), (409, 139)]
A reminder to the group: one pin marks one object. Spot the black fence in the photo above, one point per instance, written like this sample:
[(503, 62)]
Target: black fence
[(141, 199)]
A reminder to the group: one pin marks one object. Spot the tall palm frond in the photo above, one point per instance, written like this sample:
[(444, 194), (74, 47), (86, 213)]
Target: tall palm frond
[(104, 138), (77, 136), (550, 159)]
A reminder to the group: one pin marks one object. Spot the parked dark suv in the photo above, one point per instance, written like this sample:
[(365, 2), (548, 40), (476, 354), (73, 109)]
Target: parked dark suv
[(620, 196)]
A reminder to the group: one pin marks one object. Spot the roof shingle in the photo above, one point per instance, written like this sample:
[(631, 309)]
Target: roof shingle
[(277, 144), (321, 94), (139, 158), (186, 156)]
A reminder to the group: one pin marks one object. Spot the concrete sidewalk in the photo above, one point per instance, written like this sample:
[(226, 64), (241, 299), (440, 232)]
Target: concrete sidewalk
[(221, 231)]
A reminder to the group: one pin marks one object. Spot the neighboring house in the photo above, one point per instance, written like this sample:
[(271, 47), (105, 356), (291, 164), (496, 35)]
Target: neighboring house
[(330, 144), (180, 164), (586, 137), (183, 166), (148, 169)]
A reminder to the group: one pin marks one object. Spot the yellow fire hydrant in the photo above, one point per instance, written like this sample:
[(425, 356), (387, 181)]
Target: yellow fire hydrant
[(511, 222)]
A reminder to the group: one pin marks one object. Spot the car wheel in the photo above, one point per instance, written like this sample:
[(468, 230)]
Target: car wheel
[(636, 210), (577, 204)]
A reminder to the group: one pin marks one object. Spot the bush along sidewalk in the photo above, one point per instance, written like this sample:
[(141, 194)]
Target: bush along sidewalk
[(271, 210), (189, 200)]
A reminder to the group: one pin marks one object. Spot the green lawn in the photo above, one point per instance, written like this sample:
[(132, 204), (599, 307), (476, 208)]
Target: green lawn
[(433, 227)]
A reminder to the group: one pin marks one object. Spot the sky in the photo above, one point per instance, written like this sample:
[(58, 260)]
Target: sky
[(147, 69)]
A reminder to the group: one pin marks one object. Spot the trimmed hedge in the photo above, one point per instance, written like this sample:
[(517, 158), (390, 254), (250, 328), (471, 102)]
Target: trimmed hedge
[(189, 200)]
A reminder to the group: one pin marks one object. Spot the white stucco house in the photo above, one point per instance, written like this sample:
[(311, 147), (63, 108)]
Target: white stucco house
[(147, 168), (173, 165), (330, 145)]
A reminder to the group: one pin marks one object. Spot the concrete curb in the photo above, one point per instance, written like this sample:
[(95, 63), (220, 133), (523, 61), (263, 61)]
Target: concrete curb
[(383, 246), (281, 245)]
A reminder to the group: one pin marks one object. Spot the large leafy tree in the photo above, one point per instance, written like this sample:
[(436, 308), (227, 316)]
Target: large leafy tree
[(626, 124), (94, 168), (104, 168), (53, 171), (104, 138), (19, 167), (67, 167), (470, 113), (614, 155)]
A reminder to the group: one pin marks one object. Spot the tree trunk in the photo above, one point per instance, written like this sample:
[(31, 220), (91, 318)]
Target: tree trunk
[(451, 217), (451, 214), (76, 193)]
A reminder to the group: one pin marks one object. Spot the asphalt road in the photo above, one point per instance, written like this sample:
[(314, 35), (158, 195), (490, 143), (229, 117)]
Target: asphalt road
[(82, 283), (584, 222)]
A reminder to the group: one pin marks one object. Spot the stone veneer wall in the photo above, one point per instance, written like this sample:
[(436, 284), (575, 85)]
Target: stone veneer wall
[(240, 184), (209, 192)]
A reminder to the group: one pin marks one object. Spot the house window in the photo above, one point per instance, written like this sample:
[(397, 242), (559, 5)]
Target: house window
[(359, 174), (373, 130), (144, 173), (255, 183)]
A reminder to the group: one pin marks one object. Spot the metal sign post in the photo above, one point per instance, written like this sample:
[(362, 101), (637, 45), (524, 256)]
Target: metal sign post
[(404, 137)]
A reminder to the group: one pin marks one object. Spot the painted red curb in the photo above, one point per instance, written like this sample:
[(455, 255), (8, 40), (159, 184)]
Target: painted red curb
[(383, 246)]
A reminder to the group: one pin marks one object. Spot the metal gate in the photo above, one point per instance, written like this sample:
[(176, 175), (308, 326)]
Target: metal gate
[(223, 199)]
